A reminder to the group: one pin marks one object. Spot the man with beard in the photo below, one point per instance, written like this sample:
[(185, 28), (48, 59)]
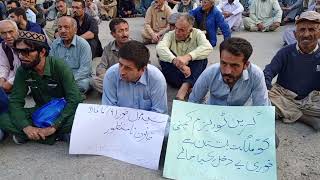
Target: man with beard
[(18, 15), (184, 6), (87, 27), (265, 15), (234, 80), (296, 93), (47, 78), (9, 61), (120, 31), (156, 22), (183, 55), (74, 50), (209, 19), (133, 82)]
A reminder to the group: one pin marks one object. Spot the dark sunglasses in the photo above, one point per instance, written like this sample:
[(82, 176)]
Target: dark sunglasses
[(24, 52)]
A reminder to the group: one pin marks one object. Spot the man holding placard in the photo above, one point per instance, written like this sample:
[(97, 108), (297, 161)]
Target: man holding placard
[(133, 82)]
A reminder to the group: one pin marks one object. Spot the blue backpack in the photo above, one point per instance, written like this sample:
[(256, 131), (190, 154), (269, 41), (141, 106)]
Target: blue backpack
[(46, 115)]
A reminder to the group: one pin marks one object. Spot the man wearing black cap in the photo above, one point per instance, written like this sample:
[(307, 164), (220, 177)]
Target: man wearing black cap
[(47, 78), (296, 94)]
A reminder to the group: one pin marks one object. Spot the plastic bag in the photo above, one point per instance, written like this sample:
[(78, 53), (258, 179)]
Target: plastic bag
[(46, 115)]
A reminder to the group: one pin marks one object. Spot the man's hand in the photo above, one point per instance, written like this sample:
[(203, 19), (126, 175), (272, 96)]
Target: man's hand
[(32, 132), (2, 81), (181, 61), (260, 27), (274, 26), (6, 86), (44, 132), (155, 37), (226, 14), (186, 71)]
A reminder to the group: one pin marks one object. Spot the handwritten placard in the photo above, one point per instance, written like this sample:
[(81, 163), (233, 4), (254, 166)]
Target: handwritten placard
[(130, 135), (221, 142)]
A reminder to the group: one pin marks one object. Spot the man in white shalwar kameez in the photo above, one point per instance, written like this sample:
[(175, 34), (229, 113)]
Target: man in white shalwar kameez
[(265, 15), (232, 12)]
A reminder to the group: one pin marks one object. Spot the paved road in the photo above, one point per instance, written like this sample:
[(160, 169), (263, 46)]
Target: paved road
[(298, 155)]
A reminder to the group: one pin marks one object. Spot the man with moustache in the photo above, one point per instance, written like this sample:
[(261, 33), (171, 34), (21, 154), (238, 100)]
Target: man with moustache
[(120, 31), (296, 93), (265, 15), (87, 27), (74, 50), (156, 22), (133, 82), (9, 61), (46, 78), (31, 16), (184, 6)]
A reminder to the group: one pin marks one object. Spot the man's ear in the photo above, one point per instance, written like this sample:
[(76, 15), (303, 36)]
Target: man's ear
[(246, 64), (43, 52)]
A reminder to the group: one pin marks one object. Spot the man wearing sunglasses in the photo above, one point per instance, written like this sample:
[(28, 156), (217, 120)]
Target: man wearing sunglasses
[(47, 78)]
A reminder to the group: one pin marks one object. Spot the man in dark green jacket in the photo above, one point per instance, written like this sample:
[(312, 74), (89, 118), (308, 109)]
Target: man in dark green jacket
[(47, 78)]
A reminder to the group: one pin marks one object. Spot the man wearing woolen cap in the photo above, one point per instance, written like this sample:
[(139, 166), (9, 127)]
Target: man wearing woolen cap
[(296, 93)]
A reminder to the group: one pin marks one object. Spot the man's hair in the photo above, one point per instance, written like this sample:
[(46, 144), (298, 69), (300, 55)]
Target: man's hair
[(73, 21), (82, 3), (33, 45), (18, 12), (237, 46), (14, 24), (187, 17), (60, 0), (114, 22), (136, 52), (14, 1)]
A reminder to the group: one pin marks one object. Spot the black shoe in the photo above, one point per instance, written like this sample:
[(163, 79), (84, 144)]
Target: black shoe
[(18, 140)]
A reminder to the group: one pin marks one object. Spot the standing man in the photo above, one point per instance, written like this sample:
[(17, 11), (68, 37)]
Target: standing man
[(46, 78), (296, 93), (74, 50), (133, 82), (209, 19), (87, 27), (9, 61), (183, 55), (156, 22), (120, 32), (18, 15), (265, 15)]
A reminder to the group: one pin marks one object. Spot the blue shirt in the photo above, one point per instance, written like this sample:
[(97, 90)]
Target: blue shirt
[(3, 101), (31, 16), (148, 93), (34, 27), (250, 87), (78, 56)]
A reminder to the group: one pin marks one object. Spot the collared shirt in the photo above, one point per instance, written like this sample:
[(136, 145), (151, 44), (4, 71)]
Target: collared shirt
[(250, 88), (261, 11), (31, 16), (56, 82), (110, 56), (88, 24), (235, 7), (148, 93), (77, 56), (5, 71), (197, 46), (34, 27), (314, 50), (157, 20)]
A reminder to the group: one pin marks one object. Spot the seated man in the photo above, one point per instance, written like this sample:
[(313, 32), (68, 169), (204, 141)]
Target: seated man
[(120, 31), (183, 55), (18, 15), (265, 15), (74, 50), (11, 4), (9, 61), (31, 16), (108, 9), (296, 92), (232, 12), (156, 22), (290, 8), (127, 9), (3, 109), (87, 27), (63, 10), (234, 81), (46, 78), (38, 11), (184, 6), (133, 82), (144, 5), (209, 19), (92, 10)]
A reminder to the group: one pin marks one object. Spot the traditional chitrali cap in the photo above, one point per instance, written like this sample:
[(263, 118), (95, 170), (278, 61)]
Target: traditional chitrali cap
[(308, 16)]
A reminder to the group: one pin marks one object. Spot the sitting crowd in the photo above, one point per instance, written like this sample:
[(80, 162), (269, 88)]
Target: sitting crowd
[(33, 66)]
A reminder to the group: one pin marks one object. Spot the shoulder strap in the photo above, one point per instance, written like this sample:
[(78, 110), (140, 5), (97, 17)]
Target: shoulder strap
[(9, 54)]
